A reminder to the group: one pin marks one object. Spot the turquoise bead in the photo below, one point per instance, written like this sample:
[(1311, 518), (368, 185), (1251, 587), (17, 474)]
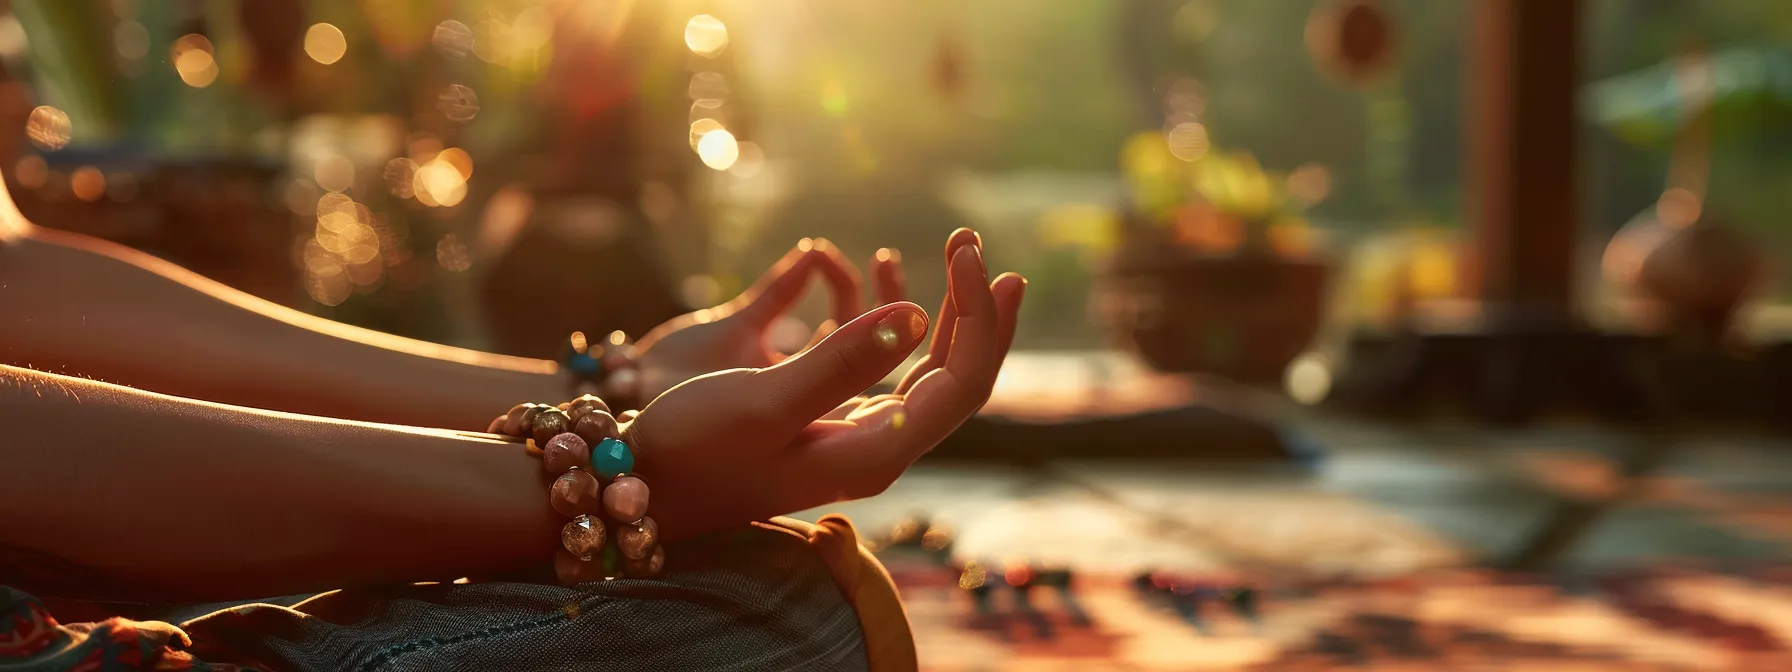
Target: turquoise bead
[(612, 458)]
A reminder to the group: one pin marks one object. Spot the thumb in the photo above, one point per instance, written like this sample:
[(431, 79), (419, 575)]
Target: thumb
[(845, 364)]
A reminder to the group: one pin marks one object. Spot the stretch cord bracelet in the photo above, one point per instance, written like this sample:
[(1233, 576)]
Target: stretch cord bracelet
[(594, 485), (605, 368)]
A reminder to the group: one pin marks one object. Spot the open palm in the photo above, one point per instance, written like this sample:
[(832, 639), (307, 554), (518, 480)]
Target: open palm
[(744, 444)]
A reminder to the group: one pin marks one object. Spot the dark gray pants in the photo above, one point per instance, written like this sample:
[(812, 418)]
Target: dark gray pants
[(757, 599)]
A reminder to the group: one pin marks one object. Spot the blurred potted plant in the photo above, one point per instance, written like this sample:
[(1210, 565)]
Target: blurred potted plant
[(1217, 270)]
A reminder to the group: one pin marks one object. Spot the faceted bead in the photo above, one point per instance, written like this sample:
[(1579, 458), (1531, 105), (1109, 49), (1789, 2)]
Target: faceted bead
[(549, 423), (637, 541), (575, 494), (648, 567), (586, 404), (526, 426), (583, 537), (572, 571), (584, 364), (565, 451), (612, 458), (513, 421), (626, 499), (595, 426)]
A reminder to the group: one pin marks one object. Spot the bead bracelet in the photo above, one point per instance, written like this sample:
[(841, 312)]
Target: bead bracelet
[(604, 367), (594, 484)]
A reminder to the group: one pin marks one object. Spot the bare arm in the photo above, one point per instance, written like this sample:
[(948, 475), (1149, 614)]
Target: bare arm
[(184, 500), (76, 305)]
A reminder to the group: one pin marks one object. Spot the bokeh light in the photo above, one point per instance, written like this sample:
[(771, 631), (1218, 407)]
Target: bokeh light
[(330, 287), (702, 127), (452, 39), (452, 254), (49, 128), (459, 160), (31, 171), (708, 86), (706, 35), (700, 290), (334, 172), (1188, 141), (718, 149), (442, 180), (325, 43), (457, 102), (400, 176), (1309, 379), (88, 183), (197, 68)]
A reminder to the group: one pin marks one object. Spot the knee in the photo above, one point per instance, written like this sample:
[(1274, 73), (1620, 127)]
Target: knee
[(866, 585)]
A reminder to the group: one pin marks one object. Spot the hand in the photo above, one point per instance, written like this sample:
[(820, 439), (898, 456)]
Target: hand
[(745, 444), (733, 335)]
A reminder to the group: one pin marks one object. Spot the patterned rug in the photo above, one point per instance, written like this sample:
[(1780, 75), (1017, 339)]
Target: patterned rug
[(1660, 619)]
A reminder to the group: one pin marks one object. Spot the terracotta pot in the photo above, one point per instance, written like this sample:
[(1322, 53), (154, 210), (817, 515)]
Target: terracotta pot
[(1244, 317)]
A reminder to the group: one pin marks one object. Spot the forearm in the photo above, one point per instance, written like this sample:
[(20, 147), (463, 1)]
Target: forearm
[(84, 307), (185, 500)]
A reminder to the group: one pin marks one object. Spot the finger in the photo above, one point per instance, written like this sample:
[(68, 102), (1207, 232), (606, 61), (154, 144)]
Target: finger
[(840, 412), (887, 434), (843, 278), (947, 320), (781, 286), (943, 398), (1009, 289), (886, 269), (856, 356)]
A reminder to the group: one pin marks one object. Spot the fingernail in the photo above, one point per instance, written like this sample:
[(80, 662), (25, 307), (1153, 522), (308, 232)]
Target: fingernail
[(899, 328), (805, 245), (885, 254)]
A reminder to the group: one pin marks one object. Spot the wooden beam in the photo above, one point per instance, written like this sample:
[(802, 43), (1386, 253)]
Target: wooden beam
[(1523, 72)]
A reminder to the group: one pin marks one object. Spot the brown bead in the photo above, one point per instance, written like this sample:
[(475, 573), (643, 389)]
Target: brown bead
[(595, 426), (564, 405), (637, 541), (497, 425), (513, 421), (575, 493), (626, 499), (526, 426), (648, 567), (572, 571), (549, 423), (586, 404), (583, 537), (565, 451)]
